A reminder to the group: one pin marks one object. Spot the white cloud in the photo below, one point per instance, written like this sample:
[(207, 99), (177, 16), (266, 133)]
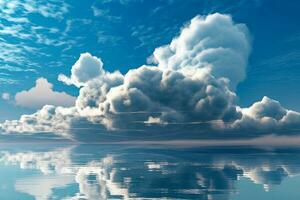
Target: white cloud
[(188, 84), (5, 96), (267, 115), (87, 67), (57, 120), (213, 43), (189, 89), (42, 94)]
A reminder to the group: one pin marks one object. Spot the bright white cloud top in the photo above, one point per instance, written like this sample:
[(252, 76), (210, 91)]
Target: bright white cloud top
[(87, 67), (188, 89)]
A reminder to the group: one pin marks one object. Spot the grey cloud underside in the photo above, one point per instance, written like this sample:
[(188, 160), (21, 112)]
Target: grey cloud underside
[(187, 92)]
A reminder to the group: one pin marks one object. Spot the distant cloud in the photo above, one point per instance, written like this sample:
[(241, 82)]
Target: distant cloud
[(105, 14), (5, 96), (42, 94), (189, 89), (267, 115)]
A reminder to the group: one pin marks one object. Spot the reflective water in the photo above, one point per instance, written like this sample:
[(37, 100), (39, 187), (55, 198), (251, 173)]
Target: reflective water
[(148, 172)]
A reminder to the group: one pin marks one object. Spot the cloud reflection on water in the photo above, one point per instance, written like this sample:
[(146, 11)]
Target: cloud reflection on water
[(127, 172)]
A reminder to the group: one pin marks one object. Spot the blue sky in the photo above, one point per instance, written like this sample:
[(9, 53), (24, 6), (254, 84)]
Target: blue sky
[(131, 66), (45, 41)]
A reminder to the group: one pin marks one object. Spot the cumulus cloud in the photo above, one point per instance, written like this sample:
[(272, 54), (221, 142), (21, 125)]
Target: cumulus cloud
[(189, 88), (187, 84), (267, 114), (214, 44), (42, 94), (49, 119), (87, 67)]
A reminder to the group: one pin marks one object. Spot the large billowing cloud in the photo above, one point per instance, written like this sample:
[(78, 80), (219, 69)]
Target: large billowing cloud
[(189, 89), (214, 44), (42, 94)]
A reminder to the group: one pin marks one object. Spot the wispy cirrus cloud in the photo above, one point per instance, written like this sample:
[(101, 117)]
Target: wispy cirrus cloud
[(23, 39)]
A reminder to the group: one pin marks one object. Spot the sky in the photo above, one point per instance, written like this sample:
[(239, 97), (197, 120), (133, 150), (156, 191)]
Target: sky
[(43, 41)]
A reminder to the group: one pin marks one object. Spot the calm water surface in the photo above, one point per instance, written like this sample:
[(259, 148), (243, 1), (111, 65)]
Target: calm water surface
[(148, 172)]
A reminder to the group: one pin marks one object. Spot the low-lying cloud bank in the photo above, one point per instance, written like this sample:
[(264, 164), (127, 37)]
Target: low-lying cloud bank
[(189, 89)]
